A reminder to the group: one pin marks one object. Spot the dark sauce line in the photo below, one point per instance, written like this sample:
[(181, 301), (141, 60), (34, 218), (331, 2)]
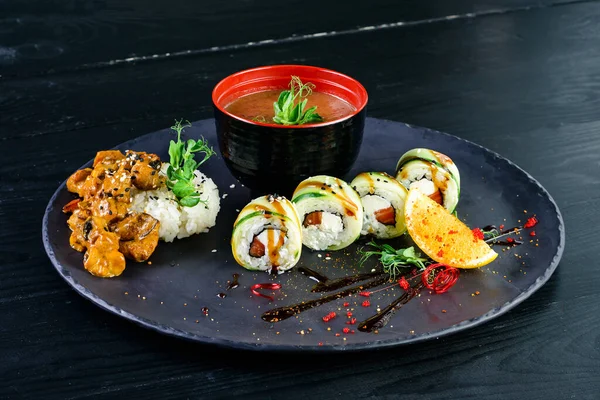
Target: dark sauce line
[(507, 243), (510, 230), (282, 313), (311, 273), (335, 284), (327, 285), (234, 283), (381, 319), (493, 242)]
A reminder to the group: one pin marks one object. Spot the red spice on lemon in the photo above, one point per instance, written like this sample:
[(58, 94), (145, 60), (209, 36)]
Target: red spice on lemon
[(477, 233)]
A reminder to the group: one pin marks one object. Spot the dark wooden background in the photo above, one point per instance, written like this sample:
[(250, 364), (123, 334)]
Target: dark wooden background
[(521, 77)]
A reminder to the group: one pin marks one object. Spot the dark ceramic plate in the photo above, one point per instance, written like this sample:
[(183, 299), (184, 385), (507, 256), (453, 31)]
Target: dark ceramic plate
[(186, 276)]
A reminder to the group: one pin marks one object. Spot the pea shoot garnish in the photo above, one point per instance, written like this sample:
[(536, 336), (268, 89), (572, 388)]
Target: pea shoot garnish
[(289, 107), (180, 174), (393, 260)]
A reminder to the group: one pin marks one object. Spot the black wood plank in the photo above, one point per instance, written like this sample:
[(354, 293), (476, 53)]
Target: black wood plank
[(522, 84), (41, 35)]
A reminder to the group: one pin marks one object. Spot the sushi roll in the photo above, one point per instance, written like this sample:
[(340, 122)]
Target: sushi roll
[(267, 235), (330, 212), (433, 173), (382, 199)]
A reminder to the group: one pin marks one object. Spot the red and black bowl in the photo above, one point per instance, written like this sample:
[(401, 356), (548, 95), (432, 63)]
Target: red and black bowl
[(268, 157)]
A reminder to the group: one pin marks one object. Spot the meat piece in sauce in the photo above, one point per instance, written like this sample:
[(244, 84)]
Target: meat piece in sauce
[(145, 171), (109, 208), (103, 258), (79, 229), (108, 157), (139, 235), (76, 181)]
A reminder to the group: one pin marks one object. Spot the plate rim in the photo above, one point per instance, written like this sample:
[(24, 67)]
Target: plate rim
[(329, 348)]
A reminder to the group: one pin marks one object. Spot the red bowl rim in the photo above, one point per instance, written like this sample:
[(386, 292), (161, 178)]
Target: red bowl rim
[(277, 66)]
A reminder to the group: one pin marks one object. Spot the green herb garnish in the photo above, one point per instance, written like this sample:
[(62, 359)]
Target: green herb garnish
[(180, 173), (289, 108), (392, 259)]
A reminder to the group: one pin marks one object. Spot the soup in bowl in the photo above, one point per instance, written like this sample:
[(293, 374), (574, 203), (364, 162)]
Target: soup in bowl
[(278, 125)]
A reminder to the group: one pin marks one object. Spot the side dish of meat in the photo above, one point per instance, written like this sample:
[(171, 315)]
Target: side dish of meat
[(101, 222)]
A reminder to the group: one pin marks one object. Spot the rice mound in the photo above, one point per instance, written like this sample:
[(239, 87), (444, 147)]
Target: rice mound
[(177, 221)]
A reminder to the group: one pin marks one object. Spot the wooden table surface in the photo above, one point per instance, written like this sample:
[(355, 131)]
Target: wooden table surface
[(520, 77)]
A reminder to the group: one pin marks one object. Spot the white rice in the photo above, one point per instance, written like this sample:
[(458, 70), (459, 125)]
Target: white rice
[(336, 229), (371, 204), (177, 221), (330, 232)]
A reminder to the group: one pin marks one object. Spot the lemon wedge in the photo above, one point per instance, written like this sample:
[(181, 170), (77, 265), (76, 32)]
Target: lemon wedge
[(442, 236)]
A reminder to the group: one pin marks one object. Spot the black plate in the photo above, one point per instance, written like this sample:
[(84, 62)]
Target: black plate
[(185, 276)]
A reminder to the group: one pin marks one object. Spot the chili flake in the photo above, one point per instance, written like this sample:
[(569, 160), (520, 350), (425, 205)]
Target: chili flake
[(329, 316), (510, 240), (366, 303), (403, 283), (532, 233), (364, 294), (346, 304), (346, 330), (531, 222)]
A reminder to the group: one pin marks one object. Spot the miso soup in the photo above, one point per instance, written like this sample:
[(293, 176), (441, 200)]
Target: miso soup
[(258, 106)]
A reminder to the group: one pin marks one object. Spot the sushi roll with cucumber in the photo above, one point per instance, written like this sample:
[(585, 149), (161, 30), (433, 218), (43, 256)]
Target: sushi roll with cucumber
[(330, 212), (267, 235), (432, 173), (382, 199)]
